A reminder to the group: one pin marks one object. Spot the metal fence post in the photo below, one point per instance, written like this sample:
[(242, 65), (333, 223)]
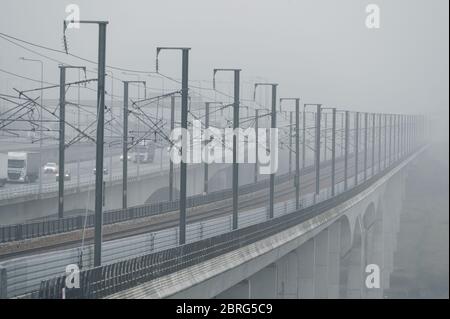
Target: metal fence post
[(317, 149), (333, 152), (379, 141), (347, 123), (365, 144)]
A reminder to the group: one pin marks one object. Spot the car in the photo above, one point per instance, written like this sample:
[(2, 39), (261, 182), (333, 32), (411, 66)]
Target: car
[(105, 171), (67, 176), (128, 157), (50, 168)]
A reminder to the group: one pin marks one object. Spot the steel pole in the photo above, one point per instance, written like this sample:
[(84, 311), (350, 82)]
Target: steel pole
[(100, 141), (373, 144), (290, 143), (304, 138), (385, 141), (405, 134), (402, 149), (257, 144), (390, 141), (325, 137), (41, 136), (380, 116), (138, 149), (407, 131), (273, 126), (125, 146), (342, 133), (172, 126), (411, 133), (365, 144), (356, 146), (183, 164), (205, 175), (347, 124), (110, 130), (398, 136), (297, 154), (235, 148), (62, 121), (394, 137), (317, 150), (333, 151)]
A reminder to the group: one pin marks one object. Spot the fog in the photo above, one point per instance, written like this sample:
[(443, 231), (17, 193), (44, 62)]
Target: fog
[(321, 50), (318, 50)]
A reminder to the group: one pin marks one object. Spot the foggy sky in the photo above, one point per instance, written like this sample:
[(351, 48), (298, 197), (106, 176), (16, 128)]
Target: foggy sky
[(318, 50)]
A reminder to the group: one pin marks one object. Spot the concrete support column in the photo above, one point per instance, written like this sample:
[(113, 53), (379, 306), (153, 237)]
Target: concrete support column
[(321, 255), (374, 255), (334, 255), (388, 249), (306, 270), (263, 284), (355, 279), (287, 276)]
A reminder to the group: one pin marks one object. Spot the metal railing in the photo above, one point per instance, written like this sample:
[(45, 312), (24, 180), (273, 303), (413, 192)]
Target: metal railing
[(16, 232), (84, 182)]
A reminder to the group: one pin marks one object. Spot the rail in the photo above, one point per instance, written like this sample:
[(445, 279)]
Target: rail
[(16, 232)]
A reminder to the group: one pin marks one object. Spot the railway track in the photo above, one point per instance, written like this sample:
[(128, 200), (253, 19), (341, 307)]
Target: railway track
[(167, 220)]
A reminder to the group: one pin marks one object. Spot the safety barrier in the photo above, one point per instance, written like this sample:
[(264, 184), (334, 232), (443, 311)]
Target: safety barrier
[(35, 229)]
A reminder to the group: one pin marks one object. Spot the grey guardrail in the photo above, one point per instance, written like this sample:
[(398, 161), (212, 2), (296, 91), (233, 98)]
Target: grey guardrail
[(104, 280)]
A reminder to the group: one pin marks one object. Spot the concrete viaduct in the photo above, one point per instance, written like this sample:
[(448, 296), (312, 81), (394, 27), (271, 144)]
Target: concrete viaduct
[(323, 257)]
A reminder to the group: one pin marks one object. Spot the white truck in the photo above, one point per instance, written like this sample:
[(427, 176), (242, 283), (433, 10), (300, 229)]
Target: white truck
[(144, 153), (3, 168), (23, 167)]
